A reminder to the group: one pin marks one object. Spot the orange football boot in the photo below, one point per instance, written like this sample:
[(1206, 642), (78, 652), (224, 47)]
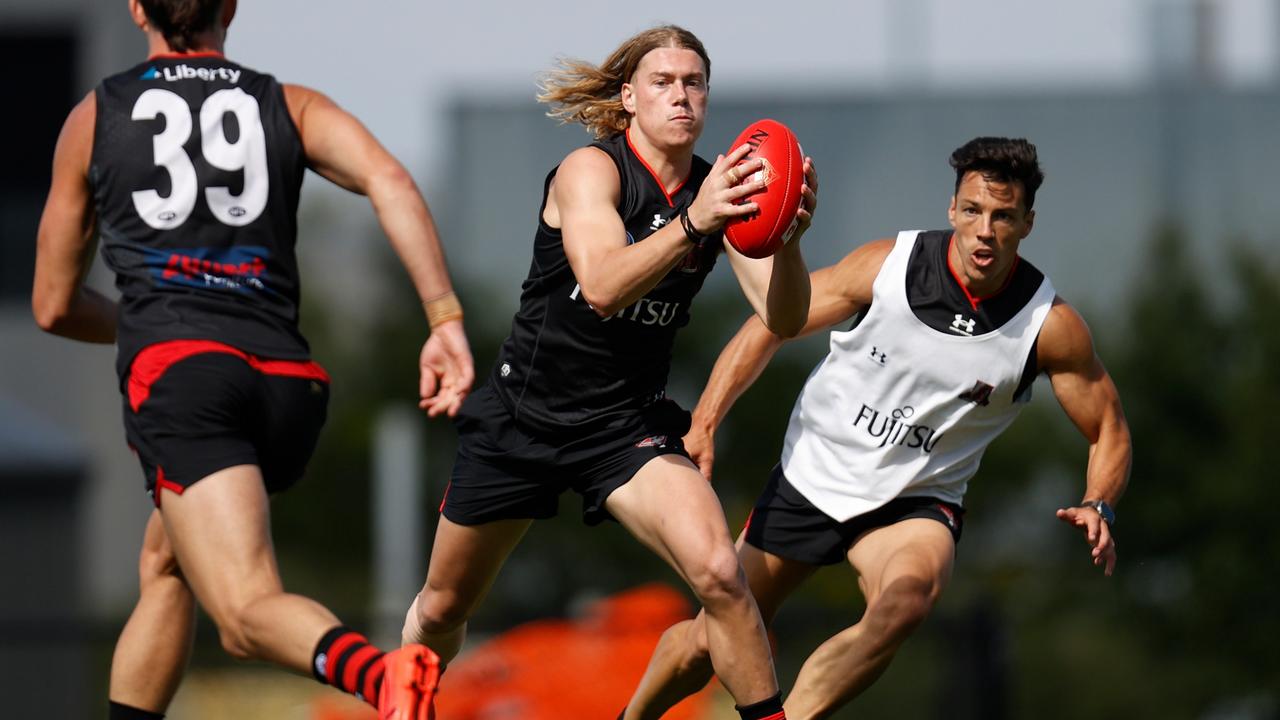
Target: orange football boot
[(409, 684)]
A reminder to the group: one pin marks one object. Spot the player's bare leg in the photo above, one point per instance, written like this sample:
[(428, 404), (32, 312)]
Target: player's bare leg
[(672, 509), (221, 533), (155, 645), (902, 569), (465, 560), (681, 663)]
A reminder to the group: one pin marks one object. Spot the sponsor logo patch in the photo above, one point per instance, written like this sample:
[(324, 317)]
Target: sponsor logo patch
[(241, 268), (186, 72), (894, 428)]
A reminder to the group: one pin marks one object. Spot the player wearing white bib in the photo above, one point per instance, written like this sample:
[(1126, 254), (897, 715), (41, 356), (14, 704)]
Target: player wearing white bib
[(951, 330), (890, 412)]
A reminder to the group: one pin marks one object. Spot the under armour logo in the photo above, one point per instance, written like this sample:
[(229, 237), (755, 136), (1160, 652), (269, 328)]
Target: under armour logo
[(878, 356), (505, 369), (979, 394), (961, 325), (658, 221)]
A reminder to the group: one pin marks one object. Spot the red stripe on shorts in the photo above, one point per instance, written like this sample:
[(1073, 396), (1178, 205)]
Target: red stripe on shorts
[(164, 483), (154, 360)]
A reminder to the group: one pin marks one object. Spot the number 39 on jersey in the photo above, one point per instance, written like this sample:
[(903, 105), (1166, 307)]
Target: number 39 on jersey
[(248, 154)]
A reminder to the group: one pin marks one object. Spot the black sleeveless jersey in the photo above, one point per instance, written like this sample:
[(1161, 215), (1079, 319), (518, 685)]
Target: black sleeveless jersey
[(196, 171), (564, 368)]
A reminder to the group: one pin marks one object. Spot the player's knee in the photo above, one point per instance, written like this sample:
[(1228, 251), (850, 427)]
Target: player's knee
[(157, 564), (717, 578), (234, 617), (234, 639), (440, 612), (903, 606)]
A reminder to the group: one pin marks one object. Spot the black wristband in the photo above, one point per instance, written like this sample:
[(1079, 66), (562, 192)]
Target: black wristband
[(690, 231)]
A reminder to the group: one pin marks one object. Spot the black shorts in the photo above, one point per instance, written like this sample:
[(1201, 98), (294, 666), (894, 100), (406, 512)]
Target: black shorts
[(504, 472), (194, 407), (786, 524)]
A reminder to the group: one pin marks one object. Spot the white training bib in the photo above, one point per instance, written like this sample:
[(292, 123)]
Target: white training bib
[(899, 409)]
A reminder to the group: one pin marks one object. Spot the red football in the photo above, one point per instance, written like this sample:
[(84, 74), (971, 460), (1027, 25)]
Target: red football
[(761, 233)]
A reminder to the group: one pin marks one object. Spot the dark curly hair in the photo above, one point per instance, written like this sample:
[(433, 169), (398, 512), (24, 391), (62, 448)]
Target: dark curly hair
[(180, 21), (1003, 160)]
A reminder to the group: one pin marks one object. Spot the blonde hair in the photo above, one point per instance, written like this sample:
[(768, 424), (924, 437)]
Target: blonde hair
[(589, 94)]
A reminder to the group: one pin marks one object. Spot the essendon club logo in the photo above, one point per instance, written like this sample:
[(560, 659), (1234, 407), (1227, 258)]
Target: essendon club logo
[(766, 174), (979, 394)]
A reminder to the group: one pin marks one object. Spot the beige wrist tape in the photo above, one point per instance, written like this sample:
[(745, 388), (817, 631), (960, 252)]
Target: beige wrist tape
[(442, 309)]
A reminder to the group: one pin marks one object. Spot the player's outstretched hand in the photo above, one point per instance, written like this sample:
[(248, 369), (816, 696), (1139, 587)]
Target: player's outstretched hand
[(701, 446), (1096, 532), (447, 370)]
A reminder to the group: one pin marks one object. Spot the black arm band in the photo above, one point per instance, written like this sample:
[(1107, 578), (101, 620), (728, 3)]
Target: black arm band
[(690, 231)]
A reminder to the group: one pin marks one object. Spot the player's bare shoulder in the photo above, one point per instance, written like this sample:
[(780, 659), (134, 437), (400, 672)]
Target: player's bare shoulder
[(75, 140), (840, 291), (299, 99), (587, 166), (1065, 341), (585, 175), (855, 274)]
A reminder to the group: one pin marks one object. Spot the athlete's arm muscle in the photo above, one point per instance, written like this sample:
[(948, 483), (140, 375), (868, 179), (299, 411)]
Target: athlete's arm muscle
[(839, 292), (343, 151), (611, 273), (339, 147), (778, 286), (64, 244), (1084, 389)]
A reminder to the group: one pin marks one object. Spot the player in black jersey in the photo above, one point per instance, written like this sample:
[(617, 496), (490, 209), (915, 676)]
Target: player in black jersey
[(189, 166), (958, 288), (627, 231)]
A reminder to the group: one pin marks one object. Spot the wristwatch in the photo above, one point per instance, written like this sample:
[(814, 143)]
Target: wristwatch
[(1102, 508)]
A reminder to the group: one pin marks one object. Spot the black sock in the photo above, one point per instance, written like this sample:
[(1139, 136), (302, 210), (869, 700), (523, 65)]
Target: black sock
[(345, 659), (770, 709), (116, 711)]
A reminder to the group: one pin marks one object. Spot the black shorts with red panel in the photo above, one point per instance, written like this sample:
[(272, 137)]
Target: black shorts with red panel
[(506, 472), (194, 407), (786, 524)]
